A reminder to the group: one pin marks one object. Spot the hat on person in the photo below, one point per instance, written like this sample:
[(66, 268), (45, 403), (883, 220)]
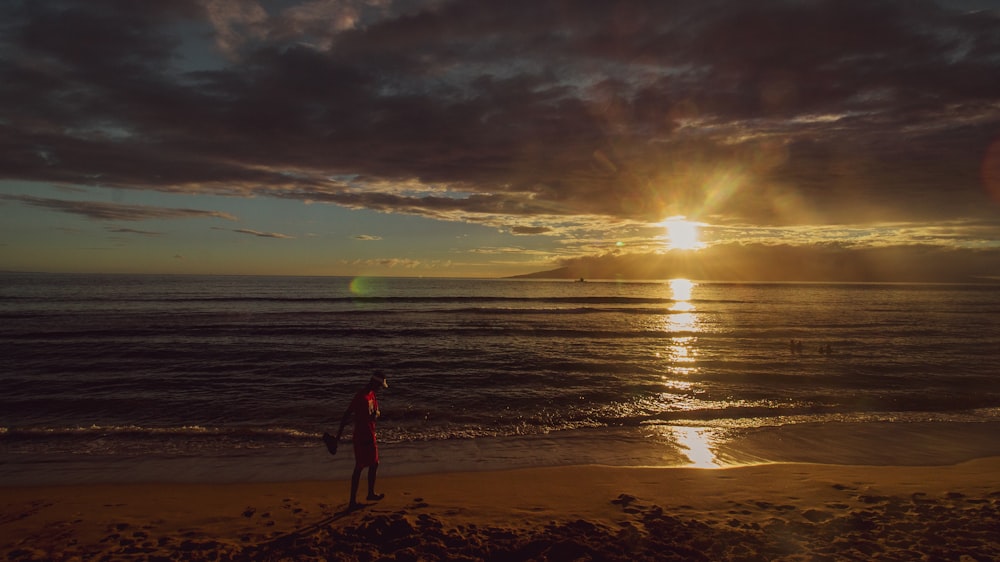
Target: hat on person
[(378, 377)]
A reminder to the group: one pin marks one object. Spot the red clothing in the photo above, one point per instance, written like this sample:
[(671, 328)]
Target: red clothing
[(365, 408)]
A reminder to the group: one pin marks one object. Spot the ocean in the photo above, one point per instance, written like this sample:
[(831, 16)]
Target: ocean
[(110, 378)]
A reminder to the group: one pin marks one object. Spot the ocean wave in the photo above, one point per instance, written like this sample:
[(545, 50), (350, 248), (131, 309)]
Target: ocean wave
[(135, 431), (212, 364), (132, 440)]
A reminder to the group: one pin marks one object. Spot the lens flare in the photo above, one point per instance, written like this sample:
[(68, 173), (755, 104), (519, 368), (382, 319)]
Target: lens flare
[(360, 286)]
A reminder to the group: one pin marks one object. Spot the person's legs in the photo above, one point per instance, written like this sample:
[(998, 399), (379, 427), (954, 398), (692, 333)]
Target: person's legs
[(355, 479), (372, 473)]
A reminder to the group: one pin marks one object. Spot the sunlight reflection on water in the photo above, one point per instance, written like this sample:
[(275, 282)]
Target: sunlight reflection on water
[(681, 289), (682, 351), (696, 444)]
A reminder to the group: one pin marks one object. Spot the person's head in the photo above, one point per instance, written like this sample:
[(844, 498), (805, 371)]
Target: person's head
[(378, 382)]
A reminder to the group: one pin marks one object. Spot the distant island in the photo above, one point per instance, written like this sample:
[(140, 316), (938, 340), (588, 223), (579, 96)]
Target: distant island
[(758, 263)]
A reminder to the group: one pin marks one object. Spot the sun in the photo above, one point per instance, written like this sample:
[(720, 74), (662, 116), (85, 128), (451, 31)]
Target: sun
[(682, 234)]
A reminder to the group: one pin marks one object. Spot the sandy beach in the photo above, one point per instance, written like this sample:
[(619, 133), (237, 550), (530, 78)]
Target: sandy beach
[(762, 512)]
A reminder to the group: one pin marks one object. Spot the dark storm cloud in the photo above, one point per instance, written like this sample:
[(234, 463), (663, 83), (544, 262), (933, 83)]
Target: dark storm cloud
[(767, 112), (114, 211)]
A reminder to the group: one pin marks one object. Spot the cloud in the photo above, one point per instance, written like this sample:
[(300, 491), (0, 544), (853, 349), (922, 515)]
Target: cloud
[(256, 233), (114, 211), (517, 114), (367, 237), (511, 250), (235, 21), (530, 229), (134, 231), (406, 263), (262, 234)]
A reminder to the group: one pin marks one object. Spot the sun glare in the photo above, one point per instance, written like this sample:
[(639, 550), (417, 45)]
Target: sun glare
[(680, 291), (696, 444), (682, 234)]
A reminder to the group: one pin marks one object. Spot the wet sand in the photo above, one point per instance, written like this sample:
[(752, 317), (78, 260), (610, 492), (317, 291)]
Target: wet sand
[(764, 512)]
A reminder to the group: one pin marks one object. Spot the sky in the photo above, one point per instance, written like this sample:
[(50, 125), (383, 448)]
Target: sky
[(803, 140)]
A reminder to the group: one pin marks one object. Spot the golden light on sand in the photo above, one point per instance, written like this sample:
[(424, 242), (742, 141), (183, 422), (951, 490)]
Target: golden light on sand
[(682, 234)]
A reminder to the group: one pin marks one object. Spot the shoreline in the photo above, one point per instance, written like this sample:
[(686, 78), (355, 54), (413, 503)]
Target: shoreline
[(670, 446), (785, 511)]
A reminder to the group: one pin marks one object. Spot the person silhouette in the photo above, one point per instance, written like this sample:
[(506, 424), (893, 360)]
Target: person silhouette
[(363, 411)]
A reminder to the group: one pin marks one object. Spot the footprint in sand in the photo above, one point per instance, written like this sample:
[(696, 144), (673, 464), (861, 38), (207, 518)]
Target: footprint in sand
[(872, 499), (817, 516), (624, 499)]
